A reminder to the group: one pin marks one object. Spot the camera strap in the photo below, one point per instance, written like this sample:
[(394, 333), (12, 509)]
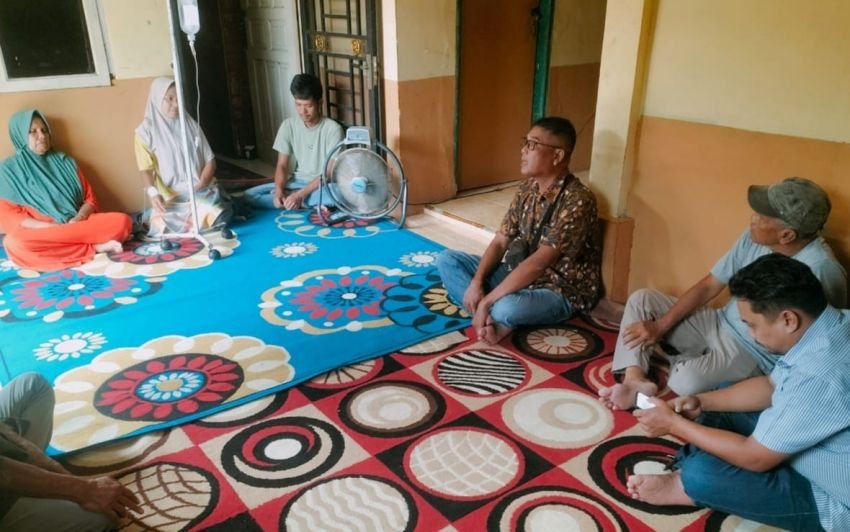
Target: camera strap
[(546, 217)]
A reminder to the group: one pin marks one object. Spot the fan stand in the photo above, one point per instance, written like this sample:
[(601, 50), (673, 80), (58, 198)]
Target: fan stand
[(362, 137), (195, 232)]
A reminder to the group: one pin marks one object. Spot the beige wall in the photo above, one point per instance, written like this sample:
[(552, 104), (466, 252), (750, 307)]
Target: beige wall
[(419, 93), (577, 32), (425, 39), (619, 104), (776, 66), (137, 38), (576, 50), (739, 92), (95, 125), (689, 199)]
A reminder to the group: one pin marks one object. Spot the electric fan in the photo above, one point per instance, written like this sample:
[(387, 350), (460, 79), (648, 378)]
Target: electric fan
[(363, 178)]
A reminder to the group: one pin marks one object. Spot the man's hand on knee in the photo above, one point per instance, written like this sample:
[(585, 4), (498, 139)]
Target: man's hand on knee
[(642, 333), (472, 297)]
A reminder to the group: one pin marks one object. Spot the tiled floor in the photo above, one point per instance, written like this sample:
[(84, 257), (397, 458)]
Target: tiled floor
[(483, 208)]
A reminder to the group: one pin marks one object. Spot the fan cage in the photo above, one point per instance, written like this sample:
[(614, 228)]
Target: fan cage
[(397, 181)]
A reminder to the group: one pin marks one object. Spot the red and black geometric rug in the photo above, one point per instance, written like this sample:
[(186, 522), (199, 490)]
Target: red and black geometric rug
[(447, 435)]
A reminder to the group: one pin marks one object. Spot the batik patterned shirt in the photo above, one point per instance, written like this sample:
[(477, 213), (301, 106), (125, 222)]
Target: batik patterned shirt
[(573, 230)]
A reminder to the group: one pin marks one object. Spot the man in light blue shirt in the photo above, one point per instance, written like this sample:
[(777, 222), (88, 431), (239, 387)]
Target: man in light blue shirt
[(711, 346), (774, 449)]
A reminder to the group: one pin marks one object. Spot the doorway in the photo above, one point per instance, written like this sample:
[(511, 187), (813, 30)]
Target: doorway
[(497, 53), (503, 44), (249, 50), (273, 58), (341, 47)]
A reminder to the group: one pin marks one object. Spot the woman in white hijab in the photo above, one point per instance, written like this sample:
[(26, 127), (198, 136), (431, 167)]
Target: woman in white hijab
[(160, 159)]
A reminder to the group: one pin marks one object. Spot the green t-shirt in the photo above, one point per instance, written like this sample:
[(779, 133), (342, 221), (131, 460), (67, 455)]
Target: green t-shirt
[(307, 147)]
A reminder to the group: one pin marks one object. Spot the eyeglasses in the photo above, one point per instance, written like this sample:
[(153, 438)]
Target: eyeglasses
[(531, 145)]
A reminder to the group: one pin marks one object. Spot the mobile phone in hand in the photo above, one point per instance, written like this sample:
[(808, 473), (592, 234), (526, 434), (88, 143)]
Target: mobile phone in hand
[(642, 401)]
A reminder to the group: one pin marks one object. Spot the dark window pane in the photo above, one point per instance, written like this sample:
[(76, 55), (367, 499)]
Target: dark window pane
[(44, 38)]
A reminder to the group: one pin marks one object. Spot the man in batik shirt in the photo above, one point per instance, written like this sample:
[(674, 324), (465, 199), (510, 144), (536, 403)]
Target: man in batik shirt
[(551, 235)]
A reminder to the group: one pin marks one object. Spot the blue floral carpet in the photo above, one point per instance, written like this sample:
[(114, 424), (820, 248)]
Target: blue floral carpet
[(151, 338)]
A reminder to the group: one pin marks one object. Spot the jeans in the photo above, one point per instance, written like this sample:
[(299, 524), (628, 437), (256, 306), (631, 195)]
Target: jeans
[(529, 306), (260, 197), (780, 497)]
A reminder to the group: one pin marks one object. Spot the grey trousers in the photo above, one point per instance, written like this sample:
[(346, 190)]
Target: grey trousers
[(27, 402), (708, 356)]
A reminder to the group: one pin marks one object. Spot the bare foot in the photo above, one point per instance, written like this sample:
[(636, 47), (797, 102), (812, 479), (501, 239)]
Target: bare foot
[(661, 490), (622, 396), (493, 333), (112, 246)]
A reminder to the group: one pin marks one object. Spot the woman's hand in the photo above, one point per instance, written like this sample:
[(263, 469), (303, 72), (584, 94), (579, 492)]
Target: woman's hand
[(83, 213), (32, 223), (202, 184), (158, 203)]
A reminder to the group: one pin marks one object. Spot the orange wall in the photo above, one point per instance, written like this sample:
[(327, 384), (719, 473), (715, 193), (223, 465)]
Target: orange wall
[(425, 142), (688, 198), (95, 126), (572, 94)]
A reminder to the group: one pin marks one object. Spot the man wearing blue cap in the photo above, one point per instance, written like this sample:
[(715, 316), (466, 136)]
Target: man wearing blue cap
[(712, 346)]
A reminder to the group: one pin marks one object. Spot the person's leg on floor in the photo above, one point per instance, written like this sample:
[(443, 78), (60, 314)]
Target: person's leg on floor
[(633, 362), (530, 306), (723, 361), (322, 195), (780, 497), (260, 196), (27, 401), (53, 515), (457, 268)]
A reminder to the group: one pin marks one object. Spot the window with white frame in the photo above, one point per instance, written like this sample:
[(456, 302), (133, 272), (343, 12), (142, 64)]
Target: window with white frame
[(51, 44)]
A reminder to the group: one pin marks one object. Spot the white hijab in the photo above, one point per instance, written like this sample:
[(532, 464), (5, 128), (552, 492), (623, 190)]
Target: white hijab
[(161, 135)]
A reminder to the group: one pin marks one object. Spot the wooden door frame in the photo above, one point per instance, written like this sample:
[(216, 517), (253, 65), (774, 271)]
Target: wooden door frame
[(540, 87), (542, 55), (374, 49)]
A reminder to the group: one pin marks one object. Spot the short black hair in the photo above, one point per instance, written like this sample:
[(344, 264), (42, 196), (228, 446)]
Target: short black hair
[(306, 87), (776, 282), (561, 128)]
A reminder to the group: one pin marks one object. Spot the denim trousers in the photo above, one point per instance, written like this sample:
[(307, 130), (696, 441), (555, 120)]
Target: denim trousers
[(780, 497), (529, 306), (260, 197)]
